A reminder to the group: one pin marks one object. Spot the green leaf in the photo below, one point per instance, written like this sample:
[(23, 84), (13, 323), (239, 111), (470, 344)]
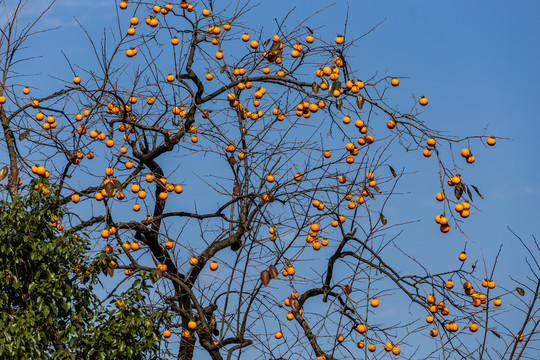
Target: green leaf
[(23, 135)]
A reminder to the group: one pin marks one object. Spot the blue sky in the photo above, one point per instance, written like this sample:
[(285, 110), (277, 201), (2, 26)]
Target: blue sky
[(477, 62)]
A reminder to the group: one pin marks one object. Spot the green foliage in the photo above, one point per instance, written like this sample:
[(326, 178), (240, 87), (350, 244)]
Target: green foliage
[(48, 307)]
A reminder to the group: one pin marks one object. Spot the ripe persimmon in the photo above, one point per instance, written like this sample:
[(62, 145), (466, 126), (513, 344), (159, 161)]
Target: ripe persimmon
[(361, 328)]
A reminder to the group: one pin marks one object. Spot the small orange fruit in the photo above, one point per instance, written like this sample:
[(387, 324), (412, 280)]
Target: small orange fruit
[(423, 101), (192, 325), (361, 328)]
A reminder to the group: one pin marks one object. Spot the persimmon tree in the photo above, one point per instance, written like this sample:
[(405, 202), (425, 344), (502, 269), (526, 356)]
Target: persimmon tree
[(249, 173)]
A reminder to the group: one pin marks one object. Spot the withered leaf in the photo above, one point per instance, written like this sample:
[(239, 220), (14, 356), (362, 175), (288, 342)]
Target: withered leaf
[(117, 184), (158, 273), (273, 272), (110, 271), (3, 173), (383, 219), (469, 193), (265, 277), (369, 193), (360, 102), (392, 171), (477, 191), (274, 46), (458, 191), (109, 188), (325, 82), (335, 86), (520, 291)]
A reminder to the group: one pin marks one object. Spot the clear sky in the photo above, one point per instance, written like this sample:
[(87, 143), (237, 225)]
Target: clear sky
[(476, 61)]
